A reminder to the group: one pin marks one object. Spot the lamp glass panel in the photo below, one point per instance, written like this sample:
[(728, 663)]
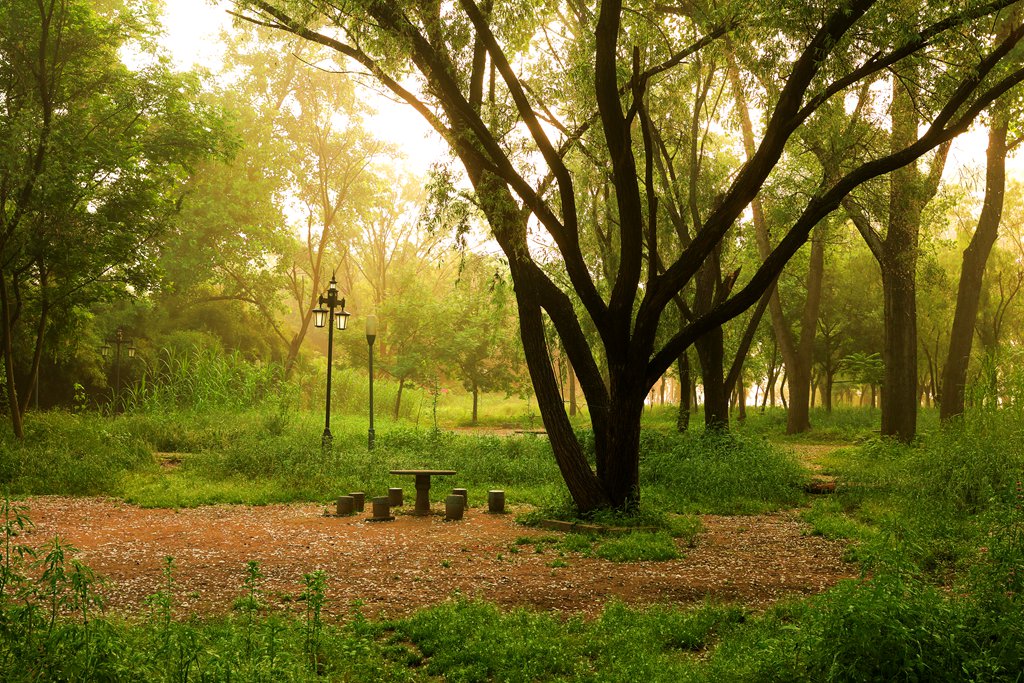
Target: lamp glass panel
[(371, 326), (341, 319), (319, 317)]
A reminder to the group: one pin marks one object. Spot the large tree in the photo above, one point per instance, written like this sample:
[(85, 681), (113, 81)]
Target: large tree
[(519, 91)]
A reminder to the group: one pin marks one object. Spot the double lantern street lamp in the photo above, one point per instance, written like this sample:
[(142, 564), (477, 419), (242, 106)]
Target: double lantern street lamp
[(321, 316), (114, 344)]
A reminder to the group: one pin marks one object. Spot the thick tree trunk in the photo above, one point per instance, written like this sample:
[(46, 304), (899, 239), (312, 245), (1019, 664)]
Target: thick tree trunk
[(711, 352), (899, 351), (898, 263), (961, 338), (621, 479)]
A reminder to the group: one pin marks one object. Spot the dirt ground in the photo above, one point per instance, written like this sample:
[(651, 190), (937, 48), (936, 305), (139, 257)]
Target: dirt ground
[(396, 567)]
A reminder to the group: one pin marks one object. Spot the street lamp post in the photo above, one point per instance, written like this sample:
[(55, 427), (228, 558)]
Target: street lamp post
[(117, 341), (371, 334), (322, 317)]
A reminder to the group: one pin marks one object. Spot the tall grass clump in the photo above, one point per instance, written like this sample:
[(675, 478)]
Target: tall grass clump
[(721, 473), (203, 380), (70, 454)]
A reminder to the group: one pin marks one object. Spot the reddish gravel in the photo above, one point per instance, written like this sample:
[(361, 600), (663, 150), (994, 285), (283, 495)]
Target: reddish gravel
[(396, 567)]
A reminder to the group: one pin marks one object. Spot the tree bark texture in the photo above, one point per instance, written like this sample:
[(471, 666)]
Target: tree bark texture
[(972, 270)]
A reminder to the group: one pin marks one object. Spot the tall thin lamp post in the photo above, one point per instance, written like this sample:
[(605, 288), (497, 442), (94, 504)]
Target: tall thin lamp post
[(321, 318), (371, 335), (115, 343)]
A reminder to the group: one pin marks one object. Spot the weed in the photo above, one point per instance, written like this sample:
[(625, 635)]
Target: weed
[(313, 595)]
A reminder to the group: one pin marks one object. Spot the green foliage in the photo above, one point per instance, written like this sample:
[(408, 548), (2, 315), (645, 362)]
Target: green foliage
[(71, 454), (884, 628), (473, 641), (205, 380), (639, 547), (718, 473)]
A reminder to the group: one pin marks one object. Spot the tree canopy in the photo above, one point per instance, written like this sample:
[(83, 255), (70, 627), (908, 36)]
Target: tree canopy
[(527, 98)]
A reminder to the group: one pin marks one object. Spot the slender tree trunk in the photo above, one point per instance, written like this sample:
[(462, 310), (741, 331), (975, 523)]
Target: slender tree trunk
[(798, 419), (6, 341), (398, 396), (741, 400), (32, 382), (972, 270), (572, 391), (796, 354), (476, 399), (683, 417)]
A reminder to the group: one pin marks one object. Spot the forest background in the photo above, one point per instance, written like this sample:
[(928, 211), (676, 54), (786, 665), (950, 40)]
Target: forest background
[(204, 212)]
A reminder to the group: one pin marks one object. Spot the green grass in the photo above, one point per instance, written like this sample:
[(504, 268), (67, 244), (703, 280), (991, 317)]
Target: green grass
[(938, 527), (260, 457), (719, 473), (639, 547)]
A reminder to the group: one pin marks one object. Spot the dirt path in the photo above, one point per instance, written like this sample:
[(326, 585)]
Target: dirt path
[(397, 567)]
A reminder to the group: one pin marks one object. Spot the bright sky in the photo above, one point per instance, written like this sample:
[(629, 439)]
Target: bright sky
[(193, 30)]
